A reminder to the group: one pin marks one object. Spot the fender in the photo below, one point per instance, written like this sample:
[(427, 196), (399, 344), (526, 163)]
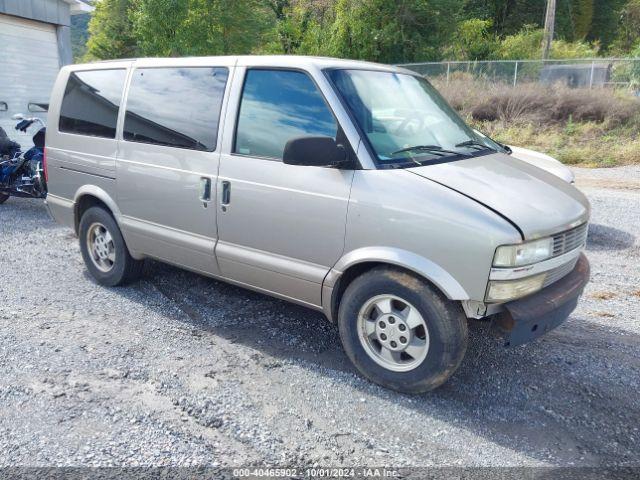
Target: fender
[(103, 196), (100, 194), (424, 267)]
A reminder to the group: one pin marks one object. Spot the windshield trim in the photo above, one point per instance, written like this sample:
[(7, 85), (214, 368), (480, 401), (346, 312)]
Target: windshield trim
[(401, 163)]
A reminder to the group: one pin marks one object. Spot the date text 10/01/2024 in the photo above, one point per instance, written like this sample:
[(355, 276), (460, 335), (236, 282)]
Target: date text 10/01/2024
[(316, 472)]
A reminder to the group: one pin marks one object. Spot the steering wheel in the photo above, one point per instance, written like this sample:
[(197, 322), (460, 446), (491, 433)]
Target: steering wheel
[(411, 125)]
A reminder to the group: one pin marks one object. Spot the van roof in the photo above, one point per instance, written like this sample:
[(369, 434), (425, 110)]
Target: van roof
[(288, 61)]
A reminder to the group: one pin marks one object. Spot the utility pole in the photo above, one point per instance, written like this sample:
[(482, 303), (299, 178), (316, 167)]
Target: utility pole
[(549, 25)]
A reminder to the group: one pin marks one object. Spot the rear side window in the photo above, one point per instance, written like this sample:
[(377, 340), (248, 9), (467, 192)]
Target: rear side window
[(177, 107), (278, 105), (91, 102)]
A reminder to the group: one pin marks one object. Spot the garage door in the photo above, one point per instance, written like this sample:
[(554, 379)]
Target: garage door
[(29, 66)]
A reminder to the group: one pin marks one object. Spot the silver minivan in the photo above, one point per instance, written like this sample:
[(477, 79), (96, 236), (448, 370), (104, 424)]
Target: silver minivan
[(349, 187)]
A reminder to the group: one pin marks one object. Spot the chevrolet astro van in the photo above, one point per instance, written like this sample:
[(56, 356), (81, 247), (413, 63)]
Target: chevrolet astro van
[(349, 187)]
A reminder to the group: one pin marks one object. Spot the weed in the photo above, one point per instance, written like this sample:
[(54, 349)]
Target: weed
[(586, 127)]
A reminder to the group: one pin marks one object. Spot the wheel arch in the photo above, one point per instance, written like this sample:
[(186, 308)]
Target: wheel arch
[(88, 196), (357, 262)]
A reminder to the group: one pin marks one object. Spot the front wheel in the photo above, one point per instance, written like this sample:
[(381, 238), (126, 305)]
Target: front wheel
[(400, 332), (3, 197)]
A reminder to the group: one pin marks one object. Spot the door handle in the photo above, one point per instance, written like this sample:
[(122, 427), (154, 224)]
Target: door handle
[(226, 193), (205, 189)]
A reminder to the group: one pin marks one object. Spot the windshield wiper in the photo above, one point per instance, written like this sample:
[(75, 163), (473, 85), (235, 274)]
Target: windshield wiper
[(437, 149), (474, 143)]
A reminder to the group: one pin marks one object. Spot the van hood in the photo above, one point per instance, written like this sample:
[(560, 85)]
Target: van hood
[(536, 201), (543, 161)]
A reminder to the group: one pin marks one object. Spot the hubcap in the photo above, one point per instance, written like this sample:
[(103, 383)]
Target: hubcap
[(393, 333), (101, 248)]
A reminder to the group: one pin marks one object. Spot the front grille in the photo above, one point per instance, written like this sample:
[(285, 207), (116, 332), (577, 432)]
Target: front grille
[(559, 272), (565, 242), (570, 239)]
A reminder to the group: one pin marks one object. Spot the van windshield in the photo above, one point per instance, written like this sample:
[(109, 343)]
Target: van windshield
[(406, 121)]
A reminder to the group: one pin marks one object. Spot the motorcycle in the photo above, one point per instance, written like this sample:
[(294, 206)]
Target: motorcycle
[(22, 174)]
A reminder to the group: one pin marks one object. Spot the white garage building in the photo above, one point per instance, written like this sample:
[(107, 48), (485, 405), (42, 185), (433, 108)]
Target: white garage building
[(35, 41)]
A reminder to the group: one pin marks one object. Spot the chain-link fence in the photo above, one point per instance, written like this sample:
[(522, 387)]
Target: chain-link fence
[(582, 73)]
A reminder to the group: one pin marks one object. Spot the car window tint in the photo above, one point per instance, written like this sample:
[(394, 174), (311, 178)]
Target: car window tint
[(177, 107), (91, 102), (278, 105)]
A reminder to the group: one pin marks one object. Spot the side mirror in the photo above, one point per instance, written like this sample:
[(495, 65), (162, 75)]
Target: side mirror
[(18, 116), (314, 152)]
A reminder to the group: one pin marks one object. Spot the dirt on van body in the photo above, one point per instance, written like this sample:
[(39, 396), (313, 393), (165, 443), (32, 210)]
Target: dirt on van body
[(182, 370)]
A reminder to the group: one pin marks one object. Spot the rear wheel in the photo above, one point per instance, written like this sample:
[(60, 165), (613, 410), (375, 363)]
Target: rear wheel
[(400, 332), (104, 251), (3, 197)]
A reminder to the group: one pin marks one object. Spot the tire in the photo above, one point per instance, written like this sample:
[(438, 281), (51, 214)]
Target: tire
[(3, 197), (436, 338), (108, 259)]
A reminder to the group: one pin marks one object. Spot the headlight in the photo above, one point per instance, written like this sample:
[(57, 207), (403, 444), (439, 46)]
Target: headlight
[(501, 291), (524, 253)]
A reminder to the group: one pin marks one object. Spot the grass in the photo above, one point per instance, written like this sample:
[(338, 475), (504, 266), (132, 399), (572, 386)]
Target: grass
[(586, 145), (585, 127)]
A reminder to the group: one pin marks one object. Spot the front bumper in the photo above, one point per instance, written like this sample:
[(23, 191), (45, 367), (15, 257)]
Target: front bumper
[(528, 318)]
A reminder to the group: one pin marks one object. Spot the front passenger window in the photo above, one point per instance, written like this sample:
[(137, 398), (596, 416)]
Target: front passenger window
[(276, 106)]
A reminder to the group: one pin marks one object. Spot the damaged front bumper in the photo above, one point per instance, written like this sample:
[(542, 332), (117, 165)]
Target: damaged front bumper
[(526, 319)]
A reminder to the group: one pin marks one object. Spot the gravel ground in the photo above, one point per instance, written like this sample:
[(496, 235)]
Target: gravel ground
[(182, 370)]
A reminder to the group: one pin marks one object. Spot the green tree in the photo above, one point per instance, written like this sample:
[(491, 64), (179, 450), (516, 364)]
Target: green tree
[(290, 26), (605, 22), (317, 31), (232, 26), (391, 31), (629, 28), (527, 44), (578, 49), (574, 19), (79, 35), (635, 68), (507, 16), (590, 20), (159, 27), (111, 31), (581, 15), (474, 40), (291, 20), (200, 27)]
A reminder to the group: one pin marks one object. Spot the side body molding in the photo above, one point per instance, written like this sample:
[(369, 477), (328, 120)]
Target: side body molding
[(393, 256)]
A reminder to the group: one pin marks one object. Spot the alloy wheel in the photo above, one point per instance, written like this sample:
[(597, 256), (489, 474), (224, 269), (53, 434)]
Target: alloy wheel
[(393, 333), (101, 247)]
